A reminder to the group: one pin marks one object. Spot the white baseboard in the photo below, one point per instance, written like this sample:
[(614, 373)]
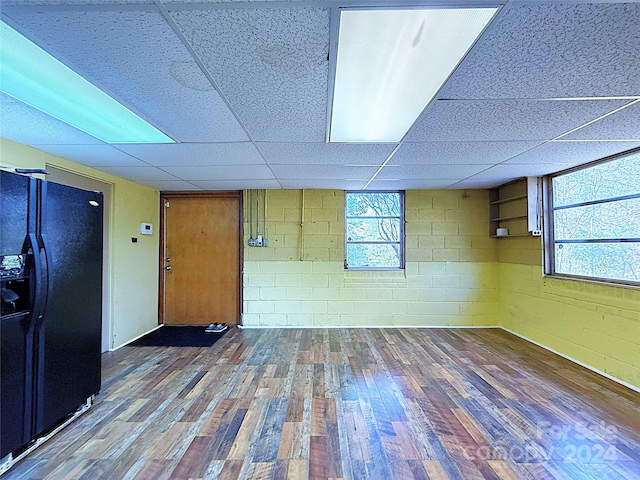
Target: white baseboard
[(309, 327), (136, 338), (588, 367)]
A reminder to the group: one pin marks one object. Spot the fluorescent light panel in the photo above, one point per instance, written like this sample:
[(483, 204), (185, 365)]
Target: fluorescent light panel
[(31, 75), (391, 63)]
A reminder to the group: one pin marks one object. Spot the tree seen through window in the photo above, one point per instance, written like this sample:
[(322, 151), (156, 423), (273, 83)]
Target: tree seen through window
[(374, 230), (596, 221)]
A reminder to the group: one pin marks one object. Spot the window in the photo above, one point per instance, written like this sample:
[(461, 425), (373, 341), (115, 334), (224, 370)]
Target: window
[(374, 235), (594, 215)]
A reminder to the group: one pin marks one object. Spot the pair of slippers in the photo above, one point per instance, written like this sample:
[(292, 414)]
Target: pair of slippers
[(216, 328)]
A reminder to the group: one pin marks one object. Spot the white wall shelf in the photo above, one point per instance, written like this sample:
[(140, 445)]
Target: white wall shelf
[(516, 206)]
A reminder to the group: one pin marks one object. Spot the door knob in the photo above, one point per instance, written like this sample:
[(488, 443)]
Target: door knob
[(168, 267)]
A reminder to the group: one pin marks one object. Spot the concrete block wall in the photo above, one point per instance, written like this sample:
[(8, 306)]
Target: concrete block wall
[(595, 324), (455, 275), (450, 277)]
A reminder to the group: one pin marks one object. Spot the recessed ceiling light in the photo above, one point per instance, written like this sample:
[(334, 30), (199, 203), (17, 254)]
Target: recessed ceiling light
[(392, 62), (31, 75)]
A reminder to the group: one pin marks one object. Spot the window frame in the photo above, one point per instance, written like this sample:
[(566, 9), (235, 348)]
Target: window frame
[(402, 222), (549, 240)]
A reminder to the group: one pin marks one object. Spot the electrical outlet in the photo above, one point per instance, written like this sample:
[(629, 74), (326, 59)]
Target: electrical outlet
[(252, 242), (259, 241), (264, 242)]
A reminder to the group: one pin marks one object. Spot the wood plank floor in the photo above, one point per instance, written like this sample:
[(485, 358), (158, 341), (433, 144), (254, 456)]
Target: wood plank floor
[(348, 403)]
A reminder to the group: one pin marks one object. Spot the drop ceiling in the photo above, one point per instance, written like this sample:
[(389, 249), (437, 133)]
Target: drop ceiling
[(244, 89)]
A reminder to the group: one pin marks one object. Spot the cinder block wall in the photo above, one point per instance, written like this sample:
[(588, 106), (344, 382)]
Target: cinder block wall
[(451, 275), (456, 275), (595, 324)]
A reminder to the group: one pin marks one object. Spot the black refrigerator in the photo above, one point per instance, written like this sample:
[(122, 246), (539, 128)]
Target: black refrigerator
[(51, 274)]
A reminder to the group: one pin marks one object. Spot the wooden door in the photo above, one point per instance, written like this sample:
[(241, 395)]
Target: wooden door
[(202, 258)]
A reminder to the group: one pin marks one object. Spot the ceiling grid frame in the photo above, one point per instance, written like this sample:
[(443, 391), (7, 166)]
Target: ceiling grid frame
[(599, 132), (169, 19)]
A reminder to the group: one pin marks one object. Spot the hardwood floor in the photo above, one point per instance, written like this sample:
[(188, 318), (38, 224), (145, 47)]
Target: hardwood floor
[(348, 403)]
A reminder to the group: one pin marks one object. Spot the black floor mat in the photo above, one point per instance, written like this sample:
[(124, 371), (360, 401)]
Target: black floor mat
[(178, 336)]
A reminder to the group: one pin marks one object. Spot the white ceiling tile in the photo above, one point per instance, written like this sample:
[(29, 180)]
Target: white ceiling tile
[(576, 153), (410, 184), (506, 172), (325, 153), (137, 58), (323, 184), (193, 154), (237, 184), (139, 174), (499, 120), (322, 172), (444, 153), (270, 63), (222, 172), (428, 172), (24, 124), (550, 49), (72, 2), (476, 183), (171, 185), (271, 66), (94, 155), (622, 125), (243, 3)]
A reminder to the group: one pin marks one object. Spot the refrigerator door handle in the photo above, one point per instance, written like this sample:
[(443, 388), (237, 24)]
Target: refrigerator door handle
[(40, 273), (45, 278)]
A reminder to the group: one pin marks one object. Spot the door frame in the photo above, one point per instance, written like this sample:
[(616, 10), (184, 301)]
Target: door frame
[(235, 194)]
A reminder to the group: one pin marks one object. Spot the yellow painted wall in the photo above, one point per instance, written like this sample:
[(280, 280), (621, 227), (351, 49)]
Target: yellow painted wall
[(299, 279), (455, 274), (133, 266), (595, 324)]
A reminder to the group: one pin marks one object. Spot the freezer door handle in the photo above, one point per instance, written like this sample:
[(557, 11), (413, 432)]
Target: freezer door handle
[(31, 247), (39, 274), (45, 278)]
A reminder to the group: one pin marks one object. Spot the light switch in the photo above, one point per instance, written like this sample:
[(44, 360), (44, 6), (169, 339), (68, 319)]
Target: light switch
[(146, 228)]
